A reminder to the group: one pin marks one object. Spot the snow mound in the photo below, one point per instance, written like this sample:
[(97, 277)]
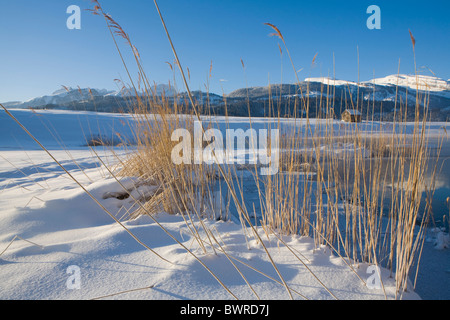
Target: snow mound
[(440, 239)]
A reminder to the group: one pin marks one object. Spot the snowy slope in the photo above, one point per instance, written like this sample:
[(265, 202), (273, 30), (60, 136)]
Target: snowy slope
[(331, 82), (59, 129), (420, 82)]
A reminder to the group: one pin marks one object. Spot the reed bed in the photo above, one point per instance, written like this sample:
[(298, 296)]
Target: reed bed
[(362, 200), (355, 193)]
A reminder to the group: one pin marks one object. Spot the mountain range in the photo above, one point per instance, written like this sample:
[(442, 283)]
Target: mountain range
[(378, 99)]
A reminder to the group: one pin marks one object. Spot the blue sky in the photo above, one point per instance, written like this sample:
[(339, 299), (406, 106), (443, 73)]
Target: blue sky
[(39, 54)]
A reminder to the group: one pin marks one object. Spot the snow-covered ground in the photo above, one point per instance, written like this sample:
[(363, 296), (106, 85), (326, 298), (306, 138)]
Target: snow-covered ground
[(67, 247)]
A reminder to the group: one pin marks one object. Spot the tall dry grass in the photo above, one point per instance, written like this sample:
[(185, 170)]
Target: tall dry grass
[(363, 231), (363, 202), (364, 209)]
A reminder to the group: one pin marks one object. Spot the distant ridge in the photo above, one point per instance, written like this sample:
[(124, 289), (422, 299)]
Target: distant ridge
[(324, 94)]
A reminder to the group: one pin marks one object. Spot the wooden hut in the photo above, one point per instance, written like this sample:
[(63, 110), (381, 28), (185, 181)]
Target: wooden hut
[(351, 115)]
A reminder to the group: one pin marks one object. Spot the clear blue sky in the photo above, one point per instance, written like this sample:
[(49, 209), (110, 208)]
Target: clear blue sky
[(39, 54)]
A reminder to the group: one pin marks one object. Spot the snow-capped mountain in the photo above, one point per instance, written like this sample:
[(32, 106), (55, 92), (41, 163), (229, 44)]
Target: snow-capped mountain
[(61, 96), (430, 84), (67, 95), (380, 96), (420, 82), (433, 85)]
